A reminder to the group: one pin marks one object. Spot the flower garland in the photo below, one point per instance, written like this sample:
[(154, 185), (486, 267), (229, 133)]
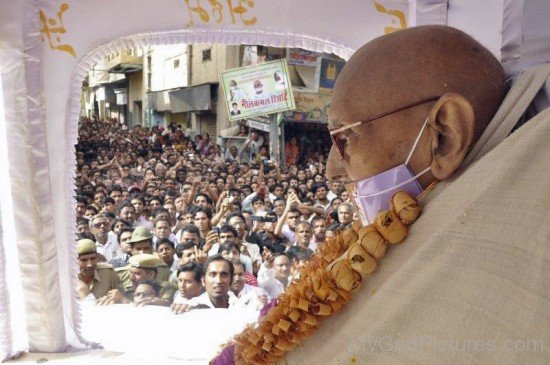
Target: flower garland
[(338, 267)]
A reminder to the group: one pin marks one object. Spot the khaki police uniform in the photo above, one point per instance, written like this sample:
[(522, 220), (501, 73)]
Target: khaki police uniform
[(167, 289), (105, 277)]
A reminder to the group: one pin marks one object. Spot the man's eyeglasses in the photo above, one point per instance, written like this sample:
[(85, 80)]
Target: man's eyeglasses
[(340, 143), (144, 295), (99, 224)]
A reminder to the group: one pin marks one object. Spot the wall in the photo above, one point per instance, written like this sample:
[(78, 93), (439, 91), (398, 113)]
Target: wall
[(164, 73), (136, 92)]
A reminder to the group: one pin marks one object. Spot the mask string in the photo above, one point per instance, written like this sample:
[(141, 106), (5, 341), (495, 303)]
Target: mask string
[(394, 187), (416, 141)]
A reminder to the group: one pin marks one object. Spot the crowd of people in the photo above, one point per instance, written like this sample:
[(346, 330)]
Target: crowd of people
[(173, 219)]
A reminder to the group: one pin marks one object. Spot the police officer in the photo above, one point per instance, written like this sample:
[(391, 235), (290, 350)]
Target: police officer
[(96, 278), (142, 267)]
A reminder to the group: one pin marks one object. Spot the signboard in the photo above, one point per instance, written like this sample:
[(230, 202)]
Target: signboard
[(258, 125), (310, 107), (328, 72), (301, 57), (257, 90)]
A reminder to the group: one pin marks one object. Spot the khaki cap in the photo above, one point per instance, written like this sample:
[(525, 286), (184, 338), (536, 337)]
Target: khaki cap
[(141, 233), (85, 246), (146, 261)]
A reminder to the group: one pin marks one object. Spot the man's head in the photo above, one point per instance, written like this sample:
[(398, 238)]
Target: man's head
[(166, 250), (187, 252), (228, 234), (143, 267), (141, 241), (124, 236), (218, 276), (127, 211), (279, 205), (87, 257), (100, 226), (190, 233), (229, 251), (345, 213), (139, 204), (320, 191), (189, 280), (293, 217), (146, 290), (238, 222), (202, 218), (238, 277), (319, 226), (281, 264), (303, 234), (162, 228), (462, 80)]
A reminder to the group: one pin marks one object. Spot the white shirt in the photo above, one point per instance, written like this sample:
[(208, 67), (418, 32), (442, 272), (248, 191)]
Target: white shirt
[(248, 296), (204, 299), (267, 281), (289, 234), (331, 196), (110, 249), (142, 221)]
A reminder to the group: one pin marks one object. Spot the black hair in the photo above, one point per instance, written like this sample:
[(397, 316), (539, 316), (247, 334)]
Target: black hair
[(152, 283), (228, 246), (219, 257), (124, 204), (123, 230), (317, 186), (228, 228), (85, 235), (191, 267), (165, 241), (191, 228), (204, 210), (180, 247)]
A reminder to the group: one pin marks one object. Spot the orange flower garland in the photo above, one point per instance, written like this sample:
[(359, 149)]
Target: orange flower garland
[(338, 267)]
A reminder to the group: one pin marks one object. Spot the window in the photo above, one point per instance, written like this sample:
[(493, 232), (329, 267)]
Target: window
[(176, 63), (207, 55)]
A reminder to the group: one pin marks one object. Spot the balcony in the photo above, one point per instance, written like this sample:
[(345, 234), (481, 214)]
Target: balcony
[(124, 62)]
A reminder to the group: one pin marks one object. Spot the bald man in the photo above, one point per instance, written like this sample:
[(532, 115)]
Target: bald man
[(470, 282)]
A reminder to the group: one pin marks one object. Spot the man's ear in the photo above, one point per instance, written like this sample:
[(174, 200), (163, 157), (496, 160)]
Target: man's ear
[(202, 282), (452, 122)]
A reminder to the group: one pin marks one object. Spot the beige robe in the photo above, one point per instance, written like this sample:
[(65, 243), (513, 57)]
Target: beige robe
[(471, 282)]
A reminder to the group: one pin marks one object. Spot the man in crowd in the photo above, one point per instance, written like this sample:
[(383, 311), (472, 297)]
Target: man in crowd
[(146, 292), (303, 235), (100, 227), (274, 273), (125, 248), (345, 215), (217, 280), (248, 295), (96, 278), (167, 253), (141, 266), (319, 227), (189, 276)]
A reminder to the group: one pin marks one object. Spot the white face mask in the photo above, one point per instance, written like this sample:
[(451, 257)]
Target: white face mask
[(373, 194)]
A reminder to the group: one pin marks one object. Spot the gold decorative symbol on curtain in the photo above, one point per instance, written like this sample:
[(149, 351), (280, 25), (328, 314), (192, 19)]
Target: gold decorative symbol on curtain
[(54, 28), (397, 15), (216, 9)]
